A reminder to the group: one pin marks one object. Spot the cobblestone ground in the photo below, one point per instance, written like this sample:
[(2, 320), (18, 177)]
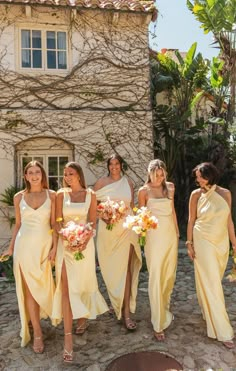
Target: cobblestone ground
[(106, 338)]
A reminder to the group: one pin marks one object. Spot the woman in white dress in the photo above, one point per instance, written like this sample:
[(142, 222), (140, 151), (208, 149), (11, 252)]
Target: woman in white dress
[(77, 295), (119, 254), (34, 248), (161, 246)]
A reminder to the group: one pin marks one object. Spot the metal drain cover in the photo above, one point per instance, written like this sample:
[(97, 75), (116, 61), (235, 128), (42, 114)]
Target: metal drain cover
[(144, 361)]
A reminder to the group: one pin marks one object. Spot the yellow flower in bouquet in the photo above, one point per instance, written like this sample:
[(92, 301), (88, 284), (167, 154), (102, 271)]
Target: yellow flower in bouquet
[(141, 223), (112, 212)]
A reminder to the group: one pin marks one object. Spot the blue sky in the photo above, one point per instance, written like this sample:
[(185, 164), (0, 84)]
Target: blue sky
[(176, 28)]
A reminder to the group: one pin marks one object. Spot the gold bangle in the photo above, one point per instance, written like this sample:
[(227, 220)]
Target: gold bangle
[(188, 242)]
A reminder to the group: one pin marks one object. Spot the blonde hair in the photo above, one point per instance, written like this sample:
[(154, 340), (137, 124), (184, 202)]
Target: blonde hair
[(153, 166)]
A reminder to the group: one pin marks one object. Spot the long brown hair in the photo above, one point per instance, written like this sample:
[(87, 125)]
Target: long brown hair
[(44, 182), (157, 165), (74, 165)]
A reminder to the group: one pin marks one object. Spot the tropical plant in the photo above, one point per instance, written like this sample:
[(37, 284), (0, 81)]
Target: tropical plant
[(219, 17), (8, 195), (181, 140)]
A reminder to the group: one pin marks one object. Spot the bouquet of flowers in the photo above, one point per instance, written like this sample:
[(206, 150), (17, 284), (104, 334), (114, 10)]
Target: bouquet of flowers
[(112, 212), (75, 235), (141, 223), (232, 276)]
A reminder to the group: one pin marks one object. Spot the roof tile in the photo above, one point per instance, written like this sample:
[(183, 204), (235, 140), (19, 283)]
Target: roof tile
[(146, 6)]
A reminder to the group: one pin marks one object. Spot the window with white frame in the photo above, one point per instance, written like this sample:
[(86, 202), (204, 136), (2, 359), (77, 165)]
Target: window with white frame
[(43, 49)]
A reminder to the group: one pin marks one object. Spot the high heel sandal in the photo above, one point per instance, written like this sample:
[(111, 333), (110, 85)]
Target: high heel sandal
[(229, 344), (40, 348), (159, 336), (80, 329), (67, 356), (129, 324)]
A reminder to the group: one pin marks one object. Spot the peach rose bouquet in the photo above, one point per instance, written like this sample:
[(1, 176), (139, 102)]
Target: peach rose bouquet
[(75, 235), (111, 212)]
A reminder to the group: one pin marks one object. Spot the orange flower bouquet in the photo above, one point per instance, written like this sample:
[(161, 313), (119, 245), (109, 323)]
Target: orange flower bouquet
[(112, 212), (75, 236), (141, 223)]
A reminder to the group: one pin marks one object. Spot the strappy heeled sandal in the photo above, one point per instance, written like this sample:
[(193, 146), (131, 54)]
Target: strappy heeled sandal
[(229, 344), (67, 356), (80, 329), (40, 348), (129, 324), (159, 336)]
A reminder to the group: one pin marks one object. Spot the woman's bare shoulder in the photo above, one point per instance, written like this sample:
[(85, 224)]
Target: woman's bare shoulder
[(196, 193), (101, 182), (18, 195), (52, 194), (224, 192)]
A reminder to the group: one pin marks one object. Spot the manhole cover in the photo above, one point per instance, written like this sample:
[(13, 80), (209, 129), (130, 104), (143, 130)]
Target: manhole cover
[(144, 361)]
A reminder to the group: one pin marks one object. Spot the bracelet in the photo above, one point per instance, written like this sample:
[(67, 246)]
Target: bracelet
[(188, 242), (94, 232)]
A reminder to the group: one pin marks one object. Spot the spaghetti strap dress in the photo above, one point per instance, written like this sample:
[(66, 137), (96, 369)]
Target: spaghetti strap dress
[(32, 245), (161, 257)]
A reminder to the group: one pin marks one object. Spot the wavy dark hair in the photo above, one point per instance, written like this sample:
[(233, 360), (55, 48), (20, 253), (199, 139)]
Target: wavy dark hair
[(44, 181), (208, 172), (115, 157), (74, 165)]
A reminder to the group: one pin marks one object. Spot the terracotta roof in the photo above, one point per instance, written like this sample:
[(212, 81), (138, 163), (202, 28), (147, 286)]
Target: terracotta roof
[(146, 6)]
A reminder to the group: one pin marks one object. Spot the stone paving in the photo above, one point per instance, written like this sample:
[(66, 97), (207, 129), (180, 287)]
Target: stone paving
[(106, 338)]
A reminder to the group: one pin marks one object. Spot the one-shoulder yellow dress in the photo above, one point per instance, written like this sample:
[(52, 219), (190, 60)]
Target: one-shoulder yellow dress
[(32, 245), (161, 257), (113, 250), (85, 298), (211, 244)]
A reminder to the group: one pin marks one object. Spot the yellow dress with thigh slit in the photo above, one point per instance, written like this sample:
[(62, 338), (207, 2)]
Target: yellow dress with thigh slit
[(211, 243), (32, 245), (113, 250), (85, 298)]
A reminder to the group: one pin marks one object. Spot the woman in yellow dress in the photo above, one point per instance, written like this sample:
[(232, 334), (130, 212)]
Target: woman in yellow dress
[(34, 248), (161, 246), (77, 295), (210, 227), (118, 252)]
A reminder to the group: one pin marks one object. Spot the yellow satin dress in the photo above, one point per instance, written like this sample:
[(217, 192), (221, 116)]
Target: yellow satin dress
[(85, 298), (211, 244), (113, 250), (32, 245), (161, 257)]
